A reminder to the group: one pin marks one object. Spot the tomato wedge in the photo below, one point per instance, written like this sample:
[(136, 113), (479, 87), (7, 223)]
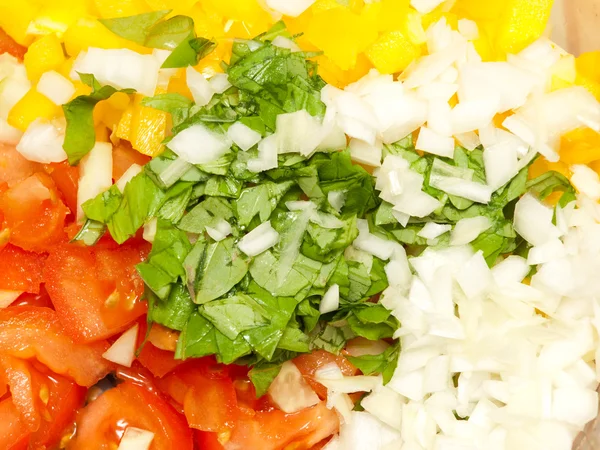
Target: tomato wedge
[(14, 435), (28, 331), (276, 430), (206, 393), (66, 178), (21, 270), (101, 424), (96, 291), (124, 156), (14, 167), (34, 213)]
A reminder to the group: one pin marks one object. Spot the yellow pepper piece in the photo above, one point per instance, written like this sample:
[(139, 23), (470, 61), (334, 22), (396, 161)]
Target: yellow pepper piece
[(524, 22), (392, 52), (88, 32), (56, 16), (43, 55), (580, 146), (120, 8), (342, 35), (337, 77), (32, 106), (180, 5), (206, 24), (541, 166), (15, 17), (109, 112), (588, 72), (178, 84), (242, 10), (435, 16), (391, 13), (144, 127), (480, 10)]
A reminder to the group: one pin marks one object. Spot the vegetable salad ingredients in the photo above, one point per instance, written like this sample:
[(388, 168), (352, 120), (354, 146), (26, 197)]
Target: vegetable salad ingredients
[(321, 225)]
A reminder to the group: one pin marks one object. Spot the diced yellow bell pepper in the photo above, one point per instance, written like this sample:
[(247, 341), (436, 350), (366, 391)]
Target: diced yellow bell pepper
[(392, 52), (32, 106), (178, 5), (580, 146), (120, 8), (391, 13), (435, 15), (480, 9), (342, 35), (588, 72), (595, 166), (15, 17), (145, 128), (109, 112), (88, 32), (43, 55), (207, 25), (56, 16), (541, 166), (413, 27), (564, 73), (523, 22), (81, 89), (337, 77), (178, 85), (248, 11)]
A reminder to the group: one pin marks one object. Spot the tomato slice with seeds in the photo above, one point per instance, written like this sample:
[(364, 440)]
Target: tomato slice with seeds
[(96, 291), (101, 424), (34, 213)]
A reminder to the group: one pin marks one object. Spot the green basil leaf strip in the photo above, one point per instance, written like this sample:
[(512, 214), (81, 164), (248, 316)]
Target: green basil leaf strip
[(262, 376), (135, 28), (168, 34), (189, 52), (80, 135), (168, 103), (90, 233)]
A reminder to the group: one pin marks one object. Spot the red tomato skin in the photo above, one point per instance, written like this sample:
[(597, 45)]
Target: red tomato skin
[(207, 441), (309, 363), (34, 213), (206, 392), (8, 45), (42, 299), (159, 362), (96, 291), (276, 430), (14, 435), (66, 178), (33, 332), (124, 156), (100, 424), (21, 270)]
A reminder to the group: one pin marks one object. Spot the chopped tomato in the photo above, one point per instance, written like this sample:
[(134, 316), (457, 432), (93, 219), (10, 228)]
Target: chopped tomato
[(42, 299), (207, 441), (34, 213), (206, 393), (20, 270), (276, 430), (96, 291), (124, 156), (46, 403), (14, 434), (309, 363), (100, 424), (8, 45), (14, 167), (66, 178), (159, 362), (163, 337), (28, 331)]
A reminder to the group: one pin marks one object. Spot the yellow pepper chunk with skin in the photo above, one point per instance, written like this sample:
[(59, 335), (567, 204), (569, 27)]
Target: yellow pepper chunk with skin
[(32, 106), (393, 52), (342, 35), (120, 8), (43, 55), (56, 16), (580, 146), (588, 72), (15, 17), (88, 32), (179, 5), (144, 127)]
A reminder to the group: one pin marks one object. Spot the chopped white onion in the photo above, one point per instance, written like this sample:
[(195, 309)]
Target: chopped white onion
[(298, 132), (150, 229), (243, 136), (533, 221), (513, 269), (284, 42), (336, 199), (95, 174), (262, 238), (219, 82), (469, 140), (267, 155), (431, 142), (349, 385), (574, 405), (290, 392), (8, 134), (55, 87), (433, 230), (475, 277), (199, 145), (136, 439), (386, 405), (425, 6), (468, 29), (290, 8), (331, 300), (123, 349), (201, 90), (467, 230), (131, 172), (221, 230), (586, 181), (366, 153), (42, 142), (120, 68), (361, 346)]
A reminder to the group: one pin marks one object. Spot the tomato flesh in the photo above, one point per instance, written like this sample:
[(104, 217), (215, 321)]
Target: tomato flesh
[(8, 45), (101, 424), (66, 178), (14, 167), (124, 156), (21, 270), (310, 363), (96, 291)]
